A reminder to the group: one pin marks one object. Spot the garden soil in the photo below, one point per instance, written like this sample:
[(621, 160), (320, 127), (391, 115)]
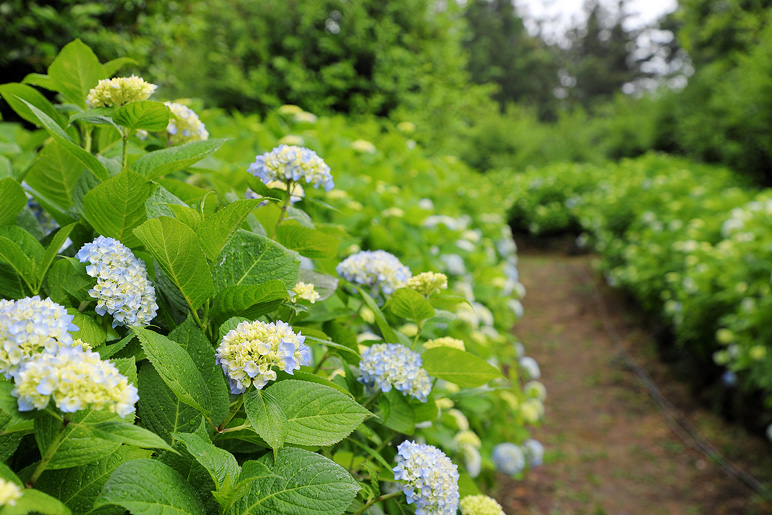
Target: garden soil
[(609, 449)]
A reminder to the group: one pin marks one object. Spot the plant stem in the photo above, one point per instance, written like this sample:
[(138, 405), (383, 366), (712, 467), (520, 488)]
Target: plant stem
[(321, 362), (377, 499), (52, 447), (196, 318), (87, 138), (234, 409), (235, 428), (125, 149), (372, 399), (417, 335), (284, 207)]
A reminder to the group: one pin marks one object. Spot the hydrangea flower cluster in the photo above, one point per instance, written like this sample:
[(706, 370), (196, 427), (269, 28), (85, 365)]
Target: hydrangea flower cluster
[(431, 479), (30, 326), (75, 379), (469, 444), (291, 163), (445, 341), (375, 268), (428, 283), (185, 125), (122, 287), (480, 505), (387, 365), (304, 291), (248, 353), (535, 390), (119, 91), (534, 452), (530, 368), (9, 493), (508, 458)]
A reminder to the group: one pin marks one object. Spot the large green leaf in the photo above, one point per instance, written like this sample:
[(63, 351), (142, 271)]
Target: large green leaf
[(303, 483), (52, 250), (13, 202), (118, 431), (86, 158), (14, 256), (79, 487), (410, 304), (75, 71), (37, 502), (221, 465), (161, 162), (77, 446), (316, 414), (159, 409), (217, 230), (253, 259), (459, 367), (250, 301), (110, 67), (151, 488), (14, 93), (146, 114), (117, 206), (177, 369), (267, 417), (175, 247), (307, 242), (388, 333), (54, 174), (190, 338)]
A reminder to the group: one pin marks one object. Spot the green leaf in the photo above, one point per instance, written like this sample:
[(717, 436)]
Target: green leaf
[(251, 471), (97, 116), (410, 304), (17, 94), (459, 367), (177, 369), (186, 215), (13, 202), (399, 415), (253, 259), (53, 249), (117, 206), (144, 114), (12, 254), (159, 408), (266, 416), (307, 242), (77, 445), (35, 501), (151, 488), (388, 333), (79, 487), (56, 132), (90, 331), (75, 71), (110, 67), (190, 338), (316, 415), (220, 464), (9, 440), (68, 280), (303, 483), (129, 434), (159, 202), (250, 301), (40, 80), (168, 160), (175, 246), (217, 230)]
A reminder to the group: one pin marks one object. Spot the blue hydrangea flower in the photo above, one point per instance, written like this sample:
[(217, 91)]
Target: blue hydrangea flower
[(29, 327), (387, 365), (508, 458), (291, 163), (122, 289), (375, 268), (430, 479), (534, 452)]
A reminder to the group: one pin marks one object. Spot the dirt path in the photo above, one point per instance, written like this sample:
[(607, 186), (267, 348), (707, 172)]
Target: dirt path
[(608, 448)]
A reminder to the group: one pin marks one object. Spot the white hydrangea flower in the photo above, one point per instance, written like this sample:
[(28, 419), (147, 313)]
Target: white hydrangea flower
[(428, 283), (387, 365), (508, 458), (480, 505), (530, 368), (122, 289), (363, 146), (377, 269), (430, 479), (303, 291), (534, 452), (535, 390), (9, 493), (29, 327), (248, 353), (184, 125), (119, 91), (291, 163), (75, 379)]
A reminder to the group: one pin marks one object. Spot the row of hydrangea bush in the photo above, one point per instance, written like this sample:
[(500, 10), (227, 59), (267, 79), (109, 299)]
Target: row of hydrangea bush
[(296, 315), (691, 242)]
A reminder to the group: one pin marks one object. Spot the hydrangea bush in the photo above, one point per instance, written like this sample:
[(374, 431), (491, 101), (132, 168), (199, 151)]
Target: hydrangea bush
[(204, 335)]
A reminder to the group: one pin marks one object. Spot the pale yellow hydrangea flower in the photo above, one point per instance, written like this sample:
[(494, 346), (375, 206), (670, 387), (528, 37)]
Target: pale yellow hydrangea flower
[(428, 283), (446, 341), (304, 291), (480, 505), (9, 493), (363, 146), (119, 91)]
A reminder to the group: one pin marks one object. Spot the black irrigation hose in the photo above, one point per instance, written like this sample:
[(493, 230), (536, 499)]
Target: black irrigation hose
[(679, 424)]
